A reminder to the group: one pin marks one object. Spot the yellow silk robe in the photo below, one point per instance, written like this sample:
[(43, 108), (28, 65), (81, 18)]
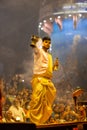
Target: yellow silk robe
[(43, 90)]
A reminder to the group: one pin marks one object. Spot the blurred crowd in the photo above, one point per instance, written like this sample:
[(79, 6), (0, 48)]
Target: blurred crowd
[(16, 95)]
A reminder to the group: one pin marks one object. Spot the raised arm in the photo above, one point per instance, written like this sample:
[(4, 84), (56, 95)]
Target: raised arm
[(36, 42)]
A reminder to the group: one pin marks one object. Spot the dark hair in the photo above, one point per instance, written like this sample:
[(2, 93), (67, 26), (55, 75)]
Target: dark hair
[(46, 38)]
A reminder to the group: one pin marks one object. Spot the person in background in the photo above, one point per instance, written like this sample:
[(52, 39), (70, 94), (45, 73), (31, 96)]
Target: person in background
[(17, 111), (2, 97), (43, 89), (8, 117)]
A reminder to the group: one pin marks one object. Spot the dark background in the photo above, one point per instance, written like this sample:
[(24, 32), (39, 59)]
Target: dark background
[(18, 21)]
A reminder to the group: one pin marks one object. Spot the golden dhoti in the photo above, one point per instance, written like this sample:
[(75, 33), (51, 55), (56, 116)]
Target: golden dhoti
[(43, 96)]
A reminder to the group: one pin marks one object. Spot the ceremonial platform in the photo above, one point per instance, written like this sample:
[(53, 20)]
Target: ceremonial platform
[(30, 126), (63, 126)]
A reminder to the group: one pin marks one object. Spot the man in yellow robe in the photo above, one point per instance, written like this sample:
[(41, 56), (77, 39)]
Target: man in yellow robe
[(43, 90)]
